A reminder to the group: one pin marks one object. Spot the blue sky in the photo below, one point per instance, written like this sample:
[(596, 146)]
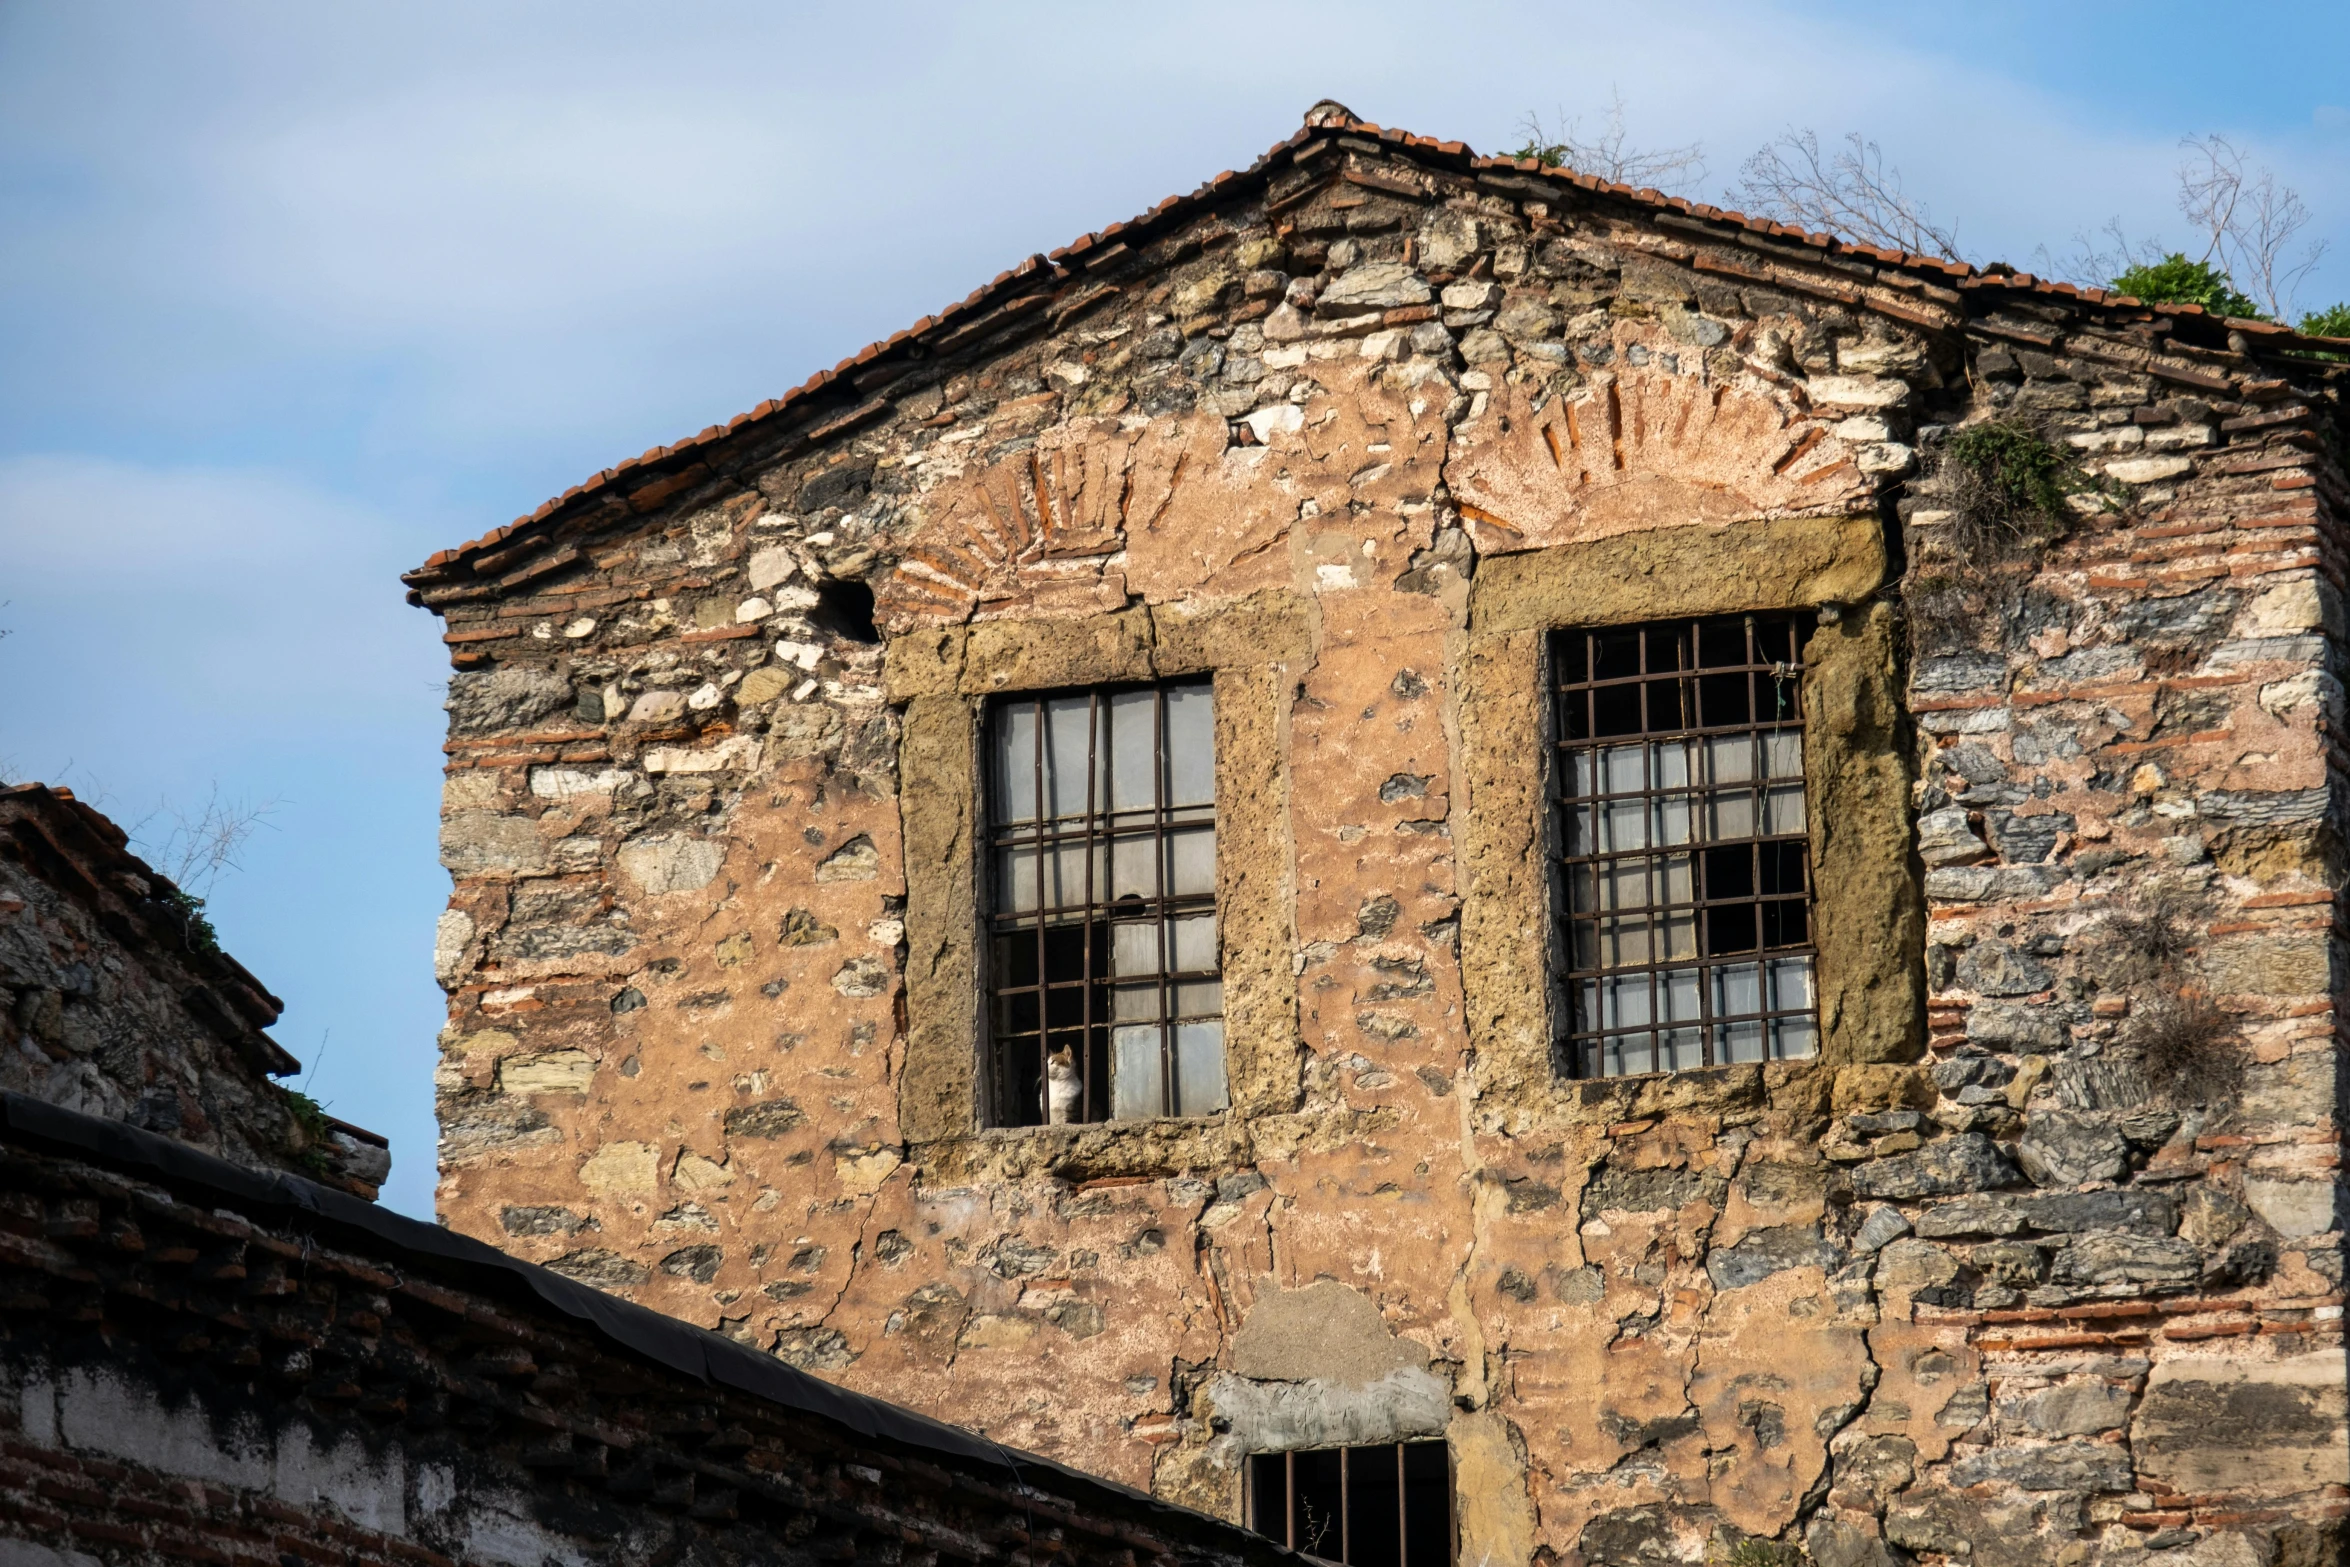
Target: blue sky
[(292, 295)]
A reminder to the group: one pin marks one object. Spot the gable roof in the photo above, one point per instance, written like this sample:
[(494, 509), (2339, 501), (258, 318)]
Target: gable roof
[(836, 401)]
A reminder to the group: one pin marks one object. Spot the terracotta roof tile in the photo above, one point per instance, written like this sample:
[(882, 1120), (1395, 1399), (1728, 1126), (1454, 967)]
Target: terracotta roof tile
[(1964, 274)]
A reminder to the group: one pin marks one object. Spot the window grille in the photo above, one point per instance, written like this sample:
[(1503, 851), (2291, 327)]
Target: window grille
[(1385, 1506), (1105, 993), (1682, 844)]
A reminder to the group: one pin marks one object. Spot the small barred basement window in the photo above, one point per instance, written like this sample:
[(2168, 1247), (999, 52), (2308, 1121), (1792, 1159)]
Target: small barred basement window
[(1682, 844), (1105, 997), (1386, 1506)]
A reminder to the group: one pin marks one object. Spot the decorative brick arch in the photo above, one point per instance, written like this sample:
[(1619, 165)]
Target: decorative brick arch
[(1642, 448)]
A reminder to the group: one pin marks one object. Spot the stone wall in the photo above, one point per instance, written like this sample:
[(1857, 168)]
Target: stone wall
[(116, 1000), (2039, 1260), (202, 1366)]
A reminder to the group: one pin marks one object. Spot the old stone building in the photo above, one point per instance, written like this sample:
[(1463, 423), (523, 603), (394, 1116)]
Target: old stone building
[(118, 1002), (1420, 800)]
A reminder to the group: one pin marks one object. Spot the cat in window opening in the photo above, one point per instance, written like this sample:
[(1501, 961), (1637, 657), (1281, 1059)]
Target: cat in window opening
[(1061, 1087)]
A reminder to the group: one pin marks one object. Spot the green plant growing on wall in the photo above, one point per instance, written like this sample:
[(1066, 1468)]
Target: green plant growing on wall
[(315, 1133), (2005, 494)]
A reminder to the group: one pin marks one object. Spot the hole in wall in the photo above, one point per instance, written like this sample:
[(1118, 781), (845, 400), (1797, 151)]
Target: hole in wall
[(844, 608)]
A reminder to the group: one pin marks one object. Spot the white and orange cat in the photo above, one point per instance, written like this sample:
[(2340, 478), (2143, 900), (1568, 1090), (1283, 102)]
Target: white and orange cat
[(1061, 1088)]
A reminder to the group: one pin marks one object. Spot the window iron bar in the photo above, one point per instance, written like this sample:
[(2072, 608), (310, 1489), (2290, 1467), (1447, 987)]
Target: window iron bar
[(1683, 684)]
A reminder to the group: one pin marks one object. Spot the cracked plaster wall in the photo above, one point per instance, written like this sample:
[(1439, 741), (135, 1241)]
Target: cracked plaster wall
[(1977, 1285)]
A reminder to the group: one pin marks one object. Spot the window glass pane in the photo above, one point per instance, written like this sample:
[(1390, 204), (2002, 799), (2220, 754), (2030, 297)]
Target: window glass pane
[(1624, 1000), (1679, 995), (1133, 734), (1730, 758), (1135, 946), (1623, 941), (1582, 832), (1739, 1042), (1013, 779), (1677, 937), (1137, 1002), (1790, 984), (1191, 744), (1066, 751), (1793, 1038), (1134, 866), (1624, 824), (1063, 868), (1783, 808), (1623, 884), (1191, 856), (1623, 1054), (1015, 880), (1737, 989), (1729, 813), (1783, 751), (1620, 771), (1199, 1068), (1193, 940), (1136, 1092), (1199, 998)]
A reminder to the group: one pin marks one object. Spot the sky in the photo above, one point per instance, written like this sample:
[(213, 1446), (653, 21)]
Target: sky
[(292, 295)]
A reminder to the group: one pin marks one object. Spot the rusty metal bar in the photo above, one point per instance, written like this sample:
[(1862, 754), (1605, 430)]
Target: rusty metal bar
[(1097, 829), (1668, 697)]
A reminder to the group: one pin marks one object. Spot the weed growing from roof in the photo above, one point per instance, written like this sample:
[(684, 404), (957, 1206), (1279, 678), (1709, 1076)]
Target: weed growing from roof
[(317, 1137), (195, 928), (2174, 280)]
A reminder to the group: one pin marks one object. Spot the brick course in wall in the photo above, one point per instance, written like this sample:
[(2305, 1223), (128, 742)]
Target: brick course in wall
[(2039, 1260), (203, 1365)]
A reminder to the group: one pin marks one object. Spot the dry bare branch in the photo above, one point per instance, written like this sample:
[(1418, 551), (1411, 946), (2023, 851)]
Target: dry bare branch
[(194, 848), (2249, 221), (1610, 154), (1849, 191)]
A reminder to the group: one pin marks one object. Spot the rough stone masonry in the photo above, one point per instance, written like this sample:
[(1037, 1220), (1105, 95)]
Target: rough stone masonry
[(2039, 1259), (116, 1001)]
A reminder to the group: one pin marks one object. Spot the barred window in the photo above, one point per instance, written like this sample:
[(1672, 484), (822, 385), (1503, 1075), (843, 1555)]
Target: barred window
[(1682, 844), (1105, 994), (1384, 1506)]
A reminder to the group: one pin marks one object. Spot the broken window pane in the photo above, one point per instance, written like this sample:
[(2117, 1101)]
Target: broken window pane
[(1684, 736)]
